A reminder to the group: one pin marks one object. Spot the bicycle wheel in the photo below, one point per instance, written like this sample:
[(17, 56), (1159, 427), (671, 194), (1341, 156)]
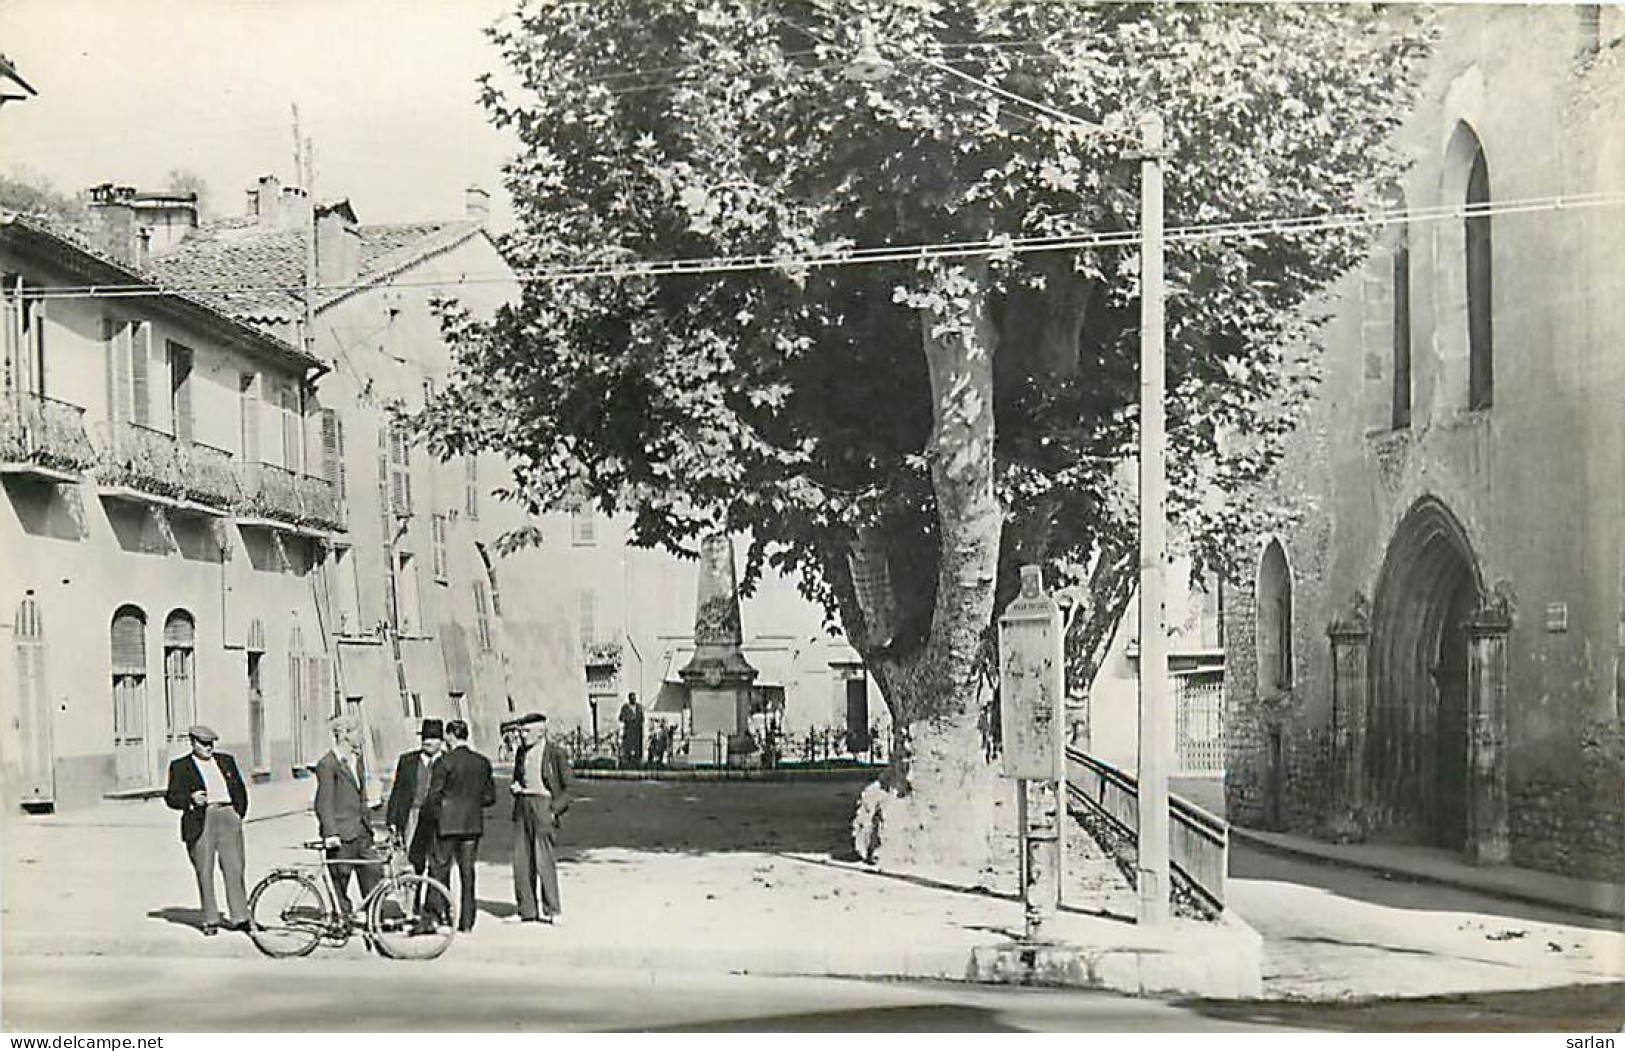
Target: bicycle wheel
[(286, 915), (412, 917)]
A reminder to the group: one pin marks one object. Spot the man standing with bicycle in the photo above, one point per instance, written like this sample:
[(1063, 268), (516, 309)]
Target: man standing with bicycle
[(541, 795), (341, 812)]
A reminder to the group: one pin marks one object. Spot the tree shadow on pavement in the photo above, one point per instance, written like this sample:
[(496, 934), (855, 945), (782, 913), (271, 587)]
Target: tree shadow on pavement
[(1598, 1008), (912, 1018), (694, 817)]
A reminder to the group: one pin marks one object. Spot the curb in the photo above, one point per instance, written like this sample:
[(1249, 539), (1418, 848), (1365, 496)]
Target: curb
[(728, 774), (1489, 890)]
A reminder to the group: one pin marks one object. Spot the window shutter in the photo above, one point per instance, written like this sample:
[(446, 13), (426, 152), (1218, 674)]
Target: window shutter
[(119, 395), (129, 642), (141, 372), (437, 536), (251, 418), (291, 429), (385, 503), (472, 479), (180, 380), (482, 617), (330, 447)]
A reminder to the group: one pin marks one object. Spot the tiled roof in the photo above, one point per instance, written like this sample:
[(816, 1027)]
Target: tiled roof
[(74, 242), (260, 271)]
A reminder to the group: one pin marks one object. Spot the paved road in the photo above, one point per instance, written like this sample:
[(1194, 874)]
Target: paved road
[(1336, 933), (48, 994)]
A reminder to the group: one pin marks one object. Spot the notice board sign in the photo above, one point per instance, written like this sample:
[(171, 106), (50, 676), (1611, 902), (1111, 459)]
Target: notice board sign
[(1032, 678)]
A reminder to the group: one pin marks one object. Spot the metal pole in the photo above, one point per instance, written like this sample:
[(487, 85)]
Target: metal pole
[(1154, 697)]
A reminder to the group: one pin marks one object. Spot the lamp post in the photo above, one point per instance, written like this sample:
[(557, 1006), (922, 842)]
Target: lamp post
[(869, 65)]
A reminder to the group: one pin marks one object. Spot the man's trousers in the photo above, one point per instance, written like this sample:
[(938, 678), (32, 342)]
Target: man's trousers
[(222, 842), (533, 858)]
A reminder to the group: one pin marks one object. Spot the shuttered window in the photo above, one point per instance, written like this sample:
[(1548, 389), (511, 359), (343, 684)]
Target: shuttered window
[(471, 464), (179, 630), (180, 390), (292, 429), (129, 640), (141, 372), (482, 616), (400, 472), (333, 451), (249, 399), (120, 399), (437, 537)]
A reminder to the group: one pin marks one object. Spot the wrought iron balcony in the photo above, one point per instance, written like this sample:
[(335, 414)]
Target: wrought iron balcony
[(42, 434), (139, 459), (270, 493), (210, 476), (319, 500)]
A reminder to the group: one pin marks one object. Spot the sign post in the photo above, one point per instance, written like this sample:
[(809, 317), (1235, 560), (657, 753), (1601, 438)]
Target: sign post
[(1032, 712)]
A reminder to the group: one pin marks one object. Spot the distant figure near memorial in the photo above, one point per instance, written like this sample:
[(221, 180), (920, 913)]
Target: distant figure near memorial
[(631, 731)]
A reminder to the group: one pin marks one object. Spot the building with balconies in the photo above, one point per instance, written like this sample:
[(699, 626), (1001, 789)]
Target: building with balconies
[(161, 530)]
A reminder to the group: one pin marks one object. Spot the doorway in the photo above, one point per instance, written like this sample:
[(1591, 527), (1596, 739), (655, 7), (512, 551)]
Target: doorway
[(256, 713), (1417, 745)]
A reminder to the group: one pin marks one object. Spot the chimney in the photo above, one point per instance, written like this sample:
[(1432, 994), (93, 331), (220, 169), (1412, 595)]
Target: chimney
[(477, 204), (338, 244), (264, 199), (116, 230)]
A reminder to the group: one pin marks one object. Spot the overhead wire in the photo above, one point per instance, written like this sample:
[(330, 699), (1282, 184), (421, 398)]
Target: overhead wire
[(879, 254)]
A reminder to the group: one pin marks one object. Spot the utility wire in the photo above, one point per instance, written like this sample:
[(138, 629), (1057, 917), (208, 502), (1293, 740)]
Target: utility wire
[(996, 246)]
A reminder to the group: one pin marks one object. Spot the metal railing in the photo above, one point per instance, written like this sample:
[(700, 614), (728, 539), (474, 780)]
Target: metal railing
[(270, 492), (44, 432), (1198, 842), (138, 457), (319, 502), (1199, 722), (210, 476)]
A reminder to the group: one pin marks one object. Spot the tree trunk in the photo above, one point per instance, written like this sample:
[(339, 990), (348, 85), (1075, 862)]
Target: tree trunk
[(940, 805)]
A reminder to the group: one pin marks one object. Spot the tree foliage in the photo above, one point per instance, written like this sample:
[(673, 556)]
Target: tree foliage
[(874, 426)]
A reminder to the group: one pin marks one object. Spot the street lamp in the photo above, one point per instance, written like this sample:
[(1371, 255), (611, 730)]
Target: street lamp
[(868, 65)]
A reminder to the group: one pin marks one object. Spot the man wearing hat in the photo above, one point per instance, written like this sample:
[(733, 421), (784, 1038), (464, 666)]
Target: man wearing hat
[(208, 790), (406, 811), (541, 795)]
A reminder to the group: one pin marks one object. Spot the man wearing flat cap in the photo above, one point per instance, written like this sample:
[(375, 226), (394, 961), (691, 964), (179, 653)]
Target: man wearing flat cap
[(208, 790), (541, 795)]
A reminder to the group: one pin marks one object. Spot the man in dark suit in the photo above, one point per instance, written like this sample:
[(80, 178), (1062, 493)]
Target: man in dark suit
[(408, 810), (208, 789), (341, 812), (459, 790), (541, 795)]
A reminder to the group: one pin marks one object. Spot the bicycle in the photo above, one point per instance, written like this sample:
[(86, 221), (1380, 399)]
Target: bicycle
[(295, 908)]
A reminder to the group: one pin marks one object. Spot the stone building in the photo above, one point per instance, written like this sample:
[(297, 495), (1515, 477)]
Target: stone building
[(161, 532), (1433, 654)]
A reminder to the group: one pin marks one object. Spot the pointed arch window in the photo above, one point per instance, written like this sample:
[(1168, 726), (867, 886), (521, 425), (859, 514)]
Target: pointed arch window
[(1400, 417), (1274, 613), (1479, 263)]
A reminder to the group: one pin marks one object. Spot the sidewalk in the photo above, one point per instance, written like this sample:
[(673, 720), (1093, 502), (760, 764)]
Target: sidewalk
[(1436, 865), (115, 881)]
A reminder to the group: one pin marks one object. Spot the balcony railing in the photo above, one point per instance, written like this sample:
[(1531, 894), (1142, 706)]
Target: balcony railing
[(211, 477), (137, 457), (271, 492), (43, 432), (319, 500)]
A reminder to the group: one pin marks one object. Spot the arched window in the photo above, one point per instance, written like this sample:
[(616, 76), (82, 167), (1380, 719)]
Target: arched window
[(1401, 414), (1274, 622), (1480, 352), (180, 681), (1466, 372), (129, 652)]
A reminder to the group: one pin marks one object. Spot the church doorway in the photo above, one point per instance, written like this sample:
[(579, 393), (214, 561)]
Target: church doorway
[(1417, 744)]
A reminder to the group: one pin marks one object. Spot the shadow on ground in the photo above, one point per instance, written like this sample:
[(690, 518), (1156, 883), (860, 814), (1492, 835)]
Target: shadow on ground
[(1567, 1009), (696, 817), (912, 1018)]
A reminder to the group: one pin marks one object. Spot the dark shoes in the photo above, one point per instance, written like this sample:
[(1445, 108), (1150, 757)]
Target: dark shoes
[(211, 929)]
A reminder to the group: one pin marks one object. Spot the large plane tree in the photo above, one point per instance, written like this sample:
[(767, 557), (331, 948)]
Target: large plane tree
[(901, 431)]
